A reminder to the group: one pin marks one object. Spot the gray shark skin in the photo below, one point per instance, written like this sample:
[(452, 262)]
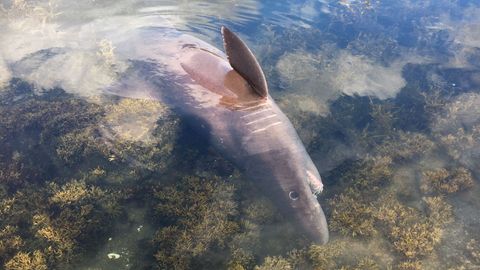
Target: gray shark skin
[(227, 95)]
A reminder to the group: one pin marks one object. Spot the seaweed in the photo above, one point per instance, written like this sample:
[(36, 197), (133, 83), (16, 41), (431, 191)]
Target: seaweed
[(369, 174), (75, 213), (139, 133), (366, 264), (438, 210), (274, 263), (383, 117), (352, 210), (10, 242), (73, 192), (27, 261), (359, 212), (259, 211), (17, 209), (68, 166), (457, 129), (241, 259), (47, 116), (351, 215), (417, 239), (48, 223), (13, 173), (410, 265), (443, 181), (406, 146), (191, 227), (323, 257), (244, 244), (412, 234), (334, 255)]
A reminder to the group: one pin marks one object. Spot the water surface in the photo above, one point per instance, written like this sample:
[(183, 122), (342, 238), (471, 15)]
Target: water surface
[(384, 94)]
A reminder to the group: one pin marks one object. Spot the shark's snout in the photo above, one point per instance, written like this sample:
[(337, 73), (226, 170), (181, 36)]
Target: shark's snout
[(317, 227), (310, 217), (306, 209)]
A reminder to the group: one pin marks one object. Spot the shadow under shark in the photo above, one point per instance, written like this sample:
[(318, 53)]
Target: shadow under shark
[(228, 96)]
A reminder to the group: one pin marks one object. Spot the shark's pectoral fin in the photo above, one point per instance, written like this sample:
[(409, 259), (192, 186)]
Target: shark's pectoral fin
[(244, 62)]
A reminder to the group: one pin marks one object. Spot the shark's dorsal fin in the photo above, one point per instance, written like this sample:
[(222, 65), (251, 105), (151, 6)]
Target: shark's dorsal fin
[(244, 62)]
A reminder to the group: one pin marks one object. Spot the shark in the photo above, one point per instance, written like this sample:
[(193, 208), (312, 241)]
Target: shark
[(225, 97)]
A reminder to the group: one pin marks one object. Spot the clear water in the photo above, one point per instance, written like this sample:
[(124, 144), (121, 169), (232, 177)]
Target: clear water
[(384, 94)]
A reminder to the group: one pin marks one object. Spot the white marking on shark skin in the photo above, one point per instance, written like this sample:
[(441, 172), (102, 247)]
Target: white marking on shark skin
[(252, 107), (256, 112), (267, 127), (261, 119)]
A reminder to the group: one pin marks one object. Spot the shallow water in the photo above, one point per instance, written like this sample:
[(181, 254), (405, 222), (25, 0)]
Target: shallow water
[(384, 94)]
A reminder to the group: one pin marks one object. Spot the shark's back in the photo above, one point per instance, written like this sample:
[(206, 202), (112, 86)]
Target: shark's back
[(197, 80)]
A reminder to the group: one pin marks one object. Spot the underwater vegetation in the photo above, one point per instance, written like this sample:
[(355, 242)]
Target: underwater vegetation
[(378, 220), (55, 220), (69, 168), (271, 263), (413, 234), (132, 131), (10, 242), (397, 144), (359, 212), (198, 214), (58, 178), (27, 261), (444, 182), (406, 146), (370, 202)]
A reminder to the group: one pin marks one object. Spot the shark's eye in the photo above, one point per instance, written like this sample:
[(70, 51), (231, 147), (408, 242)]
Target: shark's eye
[(293, 195)]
